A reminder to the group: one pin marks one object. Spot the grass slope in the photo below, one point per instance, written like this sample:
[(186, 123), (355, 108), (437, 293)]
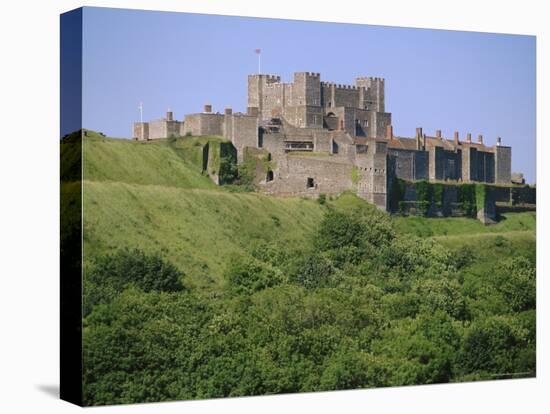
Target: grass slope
[(196, 229), (155, 162), (425, 227), (152, 195)]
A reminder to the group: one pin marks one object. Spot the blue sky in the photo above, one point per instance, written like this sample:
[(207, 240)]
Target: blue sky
[(470, 82)]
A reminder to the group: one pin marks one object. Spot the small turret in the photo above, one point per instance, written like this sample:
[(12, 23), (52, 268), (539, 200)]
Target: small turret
[(389, 132)]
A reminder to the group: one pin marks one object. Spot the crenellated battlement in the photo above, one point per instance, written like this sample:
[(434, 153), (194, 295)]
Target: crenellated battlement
[(346, 122), (268, 77), (298, 99), (370, 79)]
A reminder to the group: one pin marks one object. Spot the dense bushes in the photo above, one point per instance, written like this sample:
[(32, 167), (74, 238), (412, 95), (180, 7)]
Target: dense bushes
[(111, 274), (357, 306)]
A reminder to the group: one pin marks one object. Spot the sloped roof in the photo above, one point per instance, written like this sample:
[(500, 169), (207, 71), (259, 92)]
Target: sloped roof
[(406, 143)]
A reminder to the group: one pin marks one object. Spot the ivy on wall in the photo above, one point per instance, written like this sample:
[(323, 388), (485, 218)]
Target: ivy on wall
[(470, 197)]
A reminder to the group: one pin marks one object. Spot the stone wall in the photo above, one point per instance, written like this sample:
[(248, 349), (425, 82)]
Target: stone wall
[(346, 96), (310, 175), (382, 121), (242, 130), (140, 131), (503, 165), (409, 165), (374, 97), (157, 129), (373, 174), (524, 195), (448, 201), (204, 124)]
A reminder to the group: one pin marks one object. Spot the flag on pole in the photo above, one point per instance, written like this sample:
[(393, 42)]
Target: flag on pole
[(259, 52)]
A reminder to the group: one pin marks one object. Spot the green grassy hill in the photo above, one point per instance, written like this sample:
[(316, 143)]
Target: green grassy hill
[(154, 196), (150, 163), (341, 296)]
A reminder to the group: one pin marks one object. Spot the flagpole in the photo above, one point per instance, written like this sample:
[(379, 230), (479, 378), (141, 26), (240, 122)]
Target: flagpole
[(141, 112), (259, 53)]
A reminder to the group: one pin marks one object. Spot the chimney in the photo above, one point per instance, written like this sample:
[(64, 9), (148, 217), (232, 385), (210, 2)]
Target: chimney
[(480, 139), (228, 111), (389, 132), (438, 134), (499, 141), (418, 137), (424, 141), (469, 137), (456, 137), (207, 108), (169, 115)]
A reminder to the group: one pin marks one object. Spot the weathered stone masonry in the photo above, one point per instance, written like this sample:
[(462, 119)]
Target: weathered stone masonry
[(327, 138)]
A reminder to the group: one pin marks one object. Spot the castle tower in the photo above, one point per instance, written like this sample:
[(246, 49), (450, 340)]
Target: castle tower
[(306, 99), (256, 91), (503, 164), (373, 174), (373, 96)]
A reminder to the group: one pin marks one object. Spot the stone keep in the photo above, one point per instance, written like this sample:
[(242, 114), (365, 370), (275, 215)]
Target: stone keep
[(325, 137)]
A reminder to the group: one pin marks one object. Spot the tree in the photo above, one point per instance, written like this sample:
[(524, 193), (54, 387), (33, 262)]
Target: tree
[(108, 276)]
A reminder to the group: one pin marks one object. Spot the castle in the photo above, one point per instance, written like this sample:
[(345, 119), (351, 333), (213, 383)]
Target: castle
[(324, 137)]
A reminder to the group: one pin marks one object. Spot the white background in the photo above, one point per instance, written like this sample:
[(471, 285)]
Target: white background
[(29, 205)]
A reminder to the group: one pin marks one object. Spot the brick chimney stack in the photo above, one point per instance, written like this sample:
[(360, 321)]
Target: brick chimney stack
[(389, 132), (480, 139), (418, 138), (499, 141), (455, 138), (207, 108), (169, 115), (469, 137), (228, 111), (438, 134)]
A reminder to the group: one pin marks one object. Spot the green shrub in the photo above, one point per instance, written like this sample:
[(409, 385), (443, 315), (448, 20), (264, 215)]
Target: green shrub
[(515, 279), (312, 270), (109, 275), (246, 275)]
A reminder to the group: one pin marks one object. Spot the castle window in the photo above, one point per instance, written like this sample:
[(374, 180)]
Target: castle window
[(310, 183), (269, 176), (366, 123)]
